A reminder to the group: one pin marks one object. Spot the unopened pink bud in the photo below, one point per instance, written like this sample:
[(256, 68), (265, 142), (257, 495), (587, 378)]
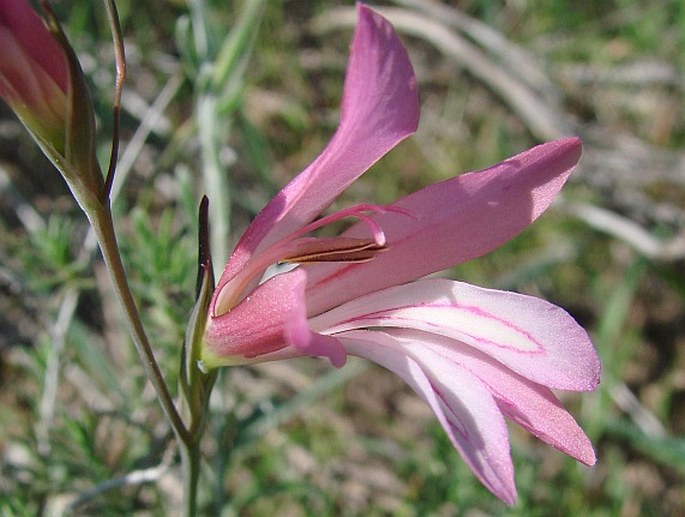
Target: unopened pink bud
[(42, 81), (34, 76)]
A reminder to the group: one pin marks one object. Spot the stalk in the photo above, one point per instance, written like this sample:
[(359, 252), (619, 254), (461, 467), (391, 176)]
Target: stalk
[(190, 463), (101, 220)]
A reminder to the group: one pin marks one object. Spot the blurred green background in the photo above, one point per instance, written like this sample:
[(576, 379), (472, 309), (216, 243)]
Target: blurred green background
[(234, 97)]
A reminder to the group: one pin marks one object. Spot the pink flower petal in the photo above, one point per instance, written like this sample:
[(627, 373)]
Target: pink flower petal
[(297, 333), (33, 36), (531, 336), (269, 324), (453, 221), (257, 325), (532, 406), (460, 401), (379, 109)]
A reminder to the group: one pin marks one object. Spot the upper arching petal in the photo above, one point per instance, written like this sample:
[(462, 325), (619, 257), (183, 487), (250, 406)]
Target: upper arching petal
[(379, 109), (451, 222)]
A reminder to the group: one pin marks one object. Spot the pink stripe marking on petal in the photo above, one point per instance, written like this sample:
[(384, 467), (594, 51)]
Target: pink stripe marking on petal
[(451, 414), (396, 316), (479, 432), (534, 338), (532, 406)]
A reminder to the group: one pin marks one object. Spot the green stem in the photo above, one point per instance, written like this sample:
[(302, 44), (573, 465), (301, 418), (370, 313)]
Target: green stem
[(101, 220), (190, 463), (188, 440)]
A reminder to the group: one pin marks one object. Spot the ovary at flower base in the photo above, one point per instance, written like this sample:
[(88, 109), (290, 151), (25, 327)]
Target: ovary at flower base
[(474, 355)]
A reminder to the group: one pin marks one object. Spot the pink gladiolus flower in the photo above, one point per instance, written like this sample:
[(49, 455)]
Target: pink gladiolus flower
[(474, 355)]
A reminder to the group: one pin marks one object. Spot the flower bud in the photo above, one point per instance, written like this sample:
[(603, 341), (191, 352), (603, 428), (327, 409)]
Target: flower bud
[(42, 82)]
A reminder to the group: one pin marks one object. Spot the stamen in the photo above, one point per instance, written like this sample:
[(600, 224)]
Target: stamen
[(353, 211), (335, 249), (376, 230), (295, 248)]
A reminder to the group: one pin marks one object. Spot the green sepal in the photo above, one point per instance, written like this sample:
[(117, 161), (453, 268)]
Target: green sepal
[(78, 163), (195, 383)]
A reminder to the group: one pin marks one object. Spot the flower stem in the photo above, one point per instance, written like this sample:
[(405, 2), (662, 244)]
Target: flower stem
[(190, 463), (101, 220)]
